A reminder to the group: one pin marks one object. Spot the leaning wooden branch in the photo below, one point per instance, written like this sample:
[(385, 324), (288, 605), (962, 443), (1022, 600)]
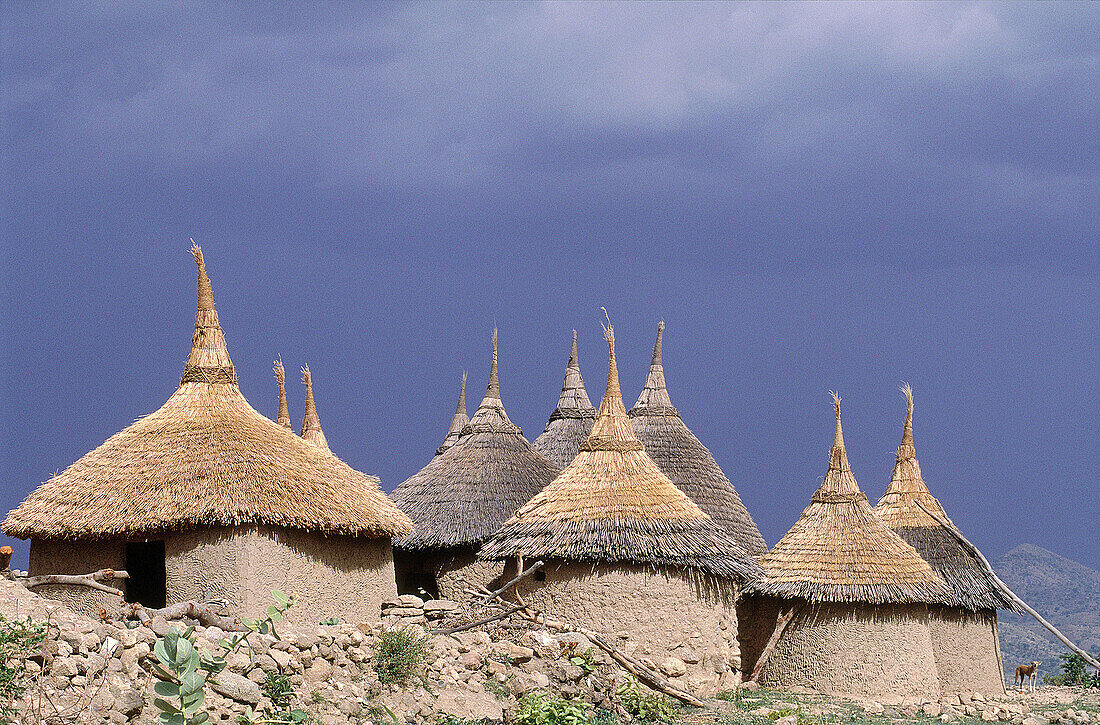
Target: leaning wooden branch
[(780, 625), (81, 580), (523, 575), (478, 623), (1006, 591), (202, 612)]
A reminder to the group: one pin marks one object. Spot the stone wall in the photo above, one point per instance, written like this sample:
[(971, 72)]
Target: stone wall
[(459, 571), (841, 649), (78, 557), (965, 646)]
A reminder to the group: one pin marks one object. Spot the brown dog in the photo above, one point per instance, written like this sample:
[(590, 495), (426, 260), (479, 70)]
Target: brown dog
[(1028, 671)]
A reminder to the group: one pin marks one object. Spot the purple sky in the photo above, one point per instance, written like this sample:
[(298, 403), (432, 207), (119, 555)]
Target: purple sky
[(812, 196)]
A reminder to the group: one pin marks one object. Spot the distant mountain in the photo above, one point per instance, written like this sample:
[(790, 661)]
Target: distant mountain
[(1064, 591)]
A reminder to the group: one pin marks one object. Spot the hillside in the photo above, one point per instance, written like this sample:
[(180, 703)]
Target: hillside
[(1065, 592)]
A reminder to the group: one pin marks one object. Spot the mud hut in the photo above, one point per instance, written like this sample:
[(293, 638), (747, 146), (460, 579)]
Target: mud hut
[(284, 411), (311, 422), (458, 421), (628, 553), (463, 495), (685, 460), (571, 421), (963, 622), (853, 596), (206, 498)]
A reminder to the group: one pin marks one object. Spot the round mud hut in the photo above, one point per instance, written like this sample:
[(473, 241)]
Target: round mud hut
[(686, 461), (462, 496), (205, 498), (630, 555), (849, 600), (458, 421), (571, 421), (963, 622)]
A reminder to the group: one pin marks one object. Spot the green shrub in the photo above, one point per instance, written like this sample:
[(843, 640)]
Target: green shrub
[(645, 705), (399, 655), (1075, 671), (543, 708), (19, 639)]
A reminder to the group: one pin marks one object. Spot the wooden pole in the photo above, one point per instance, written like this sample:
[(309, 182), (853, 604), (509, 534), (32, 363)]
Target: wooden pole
[(523, 575), (1008, 592), (780, 625), (5, 557), (92, 581)]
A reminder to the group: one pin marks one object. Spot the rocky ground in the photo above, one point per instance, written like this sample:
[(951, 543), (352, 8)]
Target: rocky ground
[(96, 672)]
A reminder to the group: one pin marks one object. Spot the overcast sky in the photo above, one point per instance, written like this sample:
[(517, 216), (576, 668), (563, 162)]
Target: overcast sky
[(812, 196)]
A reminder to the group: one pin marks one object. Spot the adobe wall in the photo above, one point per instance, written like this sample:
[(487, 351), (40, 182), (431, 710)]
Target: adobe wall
[(882, 652), (78, 557), (455, 572), (756, 620), (650, 613), (334, 576), (965, 644)]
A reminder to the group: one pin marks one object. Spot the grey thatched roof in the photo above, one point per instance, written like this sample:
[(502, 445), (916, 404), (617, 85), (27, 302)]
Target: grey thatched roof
[(685, 460), (613, 504), (464, 494), (571, 421), (969, 584), (458, 421)]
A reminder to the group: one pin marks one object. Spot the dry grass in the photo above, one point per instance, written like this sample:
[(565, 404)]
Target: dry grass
[(572, 419), (458, 422)]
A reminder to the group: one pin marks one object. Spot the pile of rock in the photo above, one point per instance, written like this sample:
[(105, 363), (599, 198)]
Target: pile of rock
[(411, 609)]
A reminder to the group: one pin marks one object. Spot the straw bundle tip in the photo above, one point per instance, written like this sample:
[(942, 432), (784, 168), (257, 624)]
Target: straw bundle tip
[(280, 373), (306, 376)]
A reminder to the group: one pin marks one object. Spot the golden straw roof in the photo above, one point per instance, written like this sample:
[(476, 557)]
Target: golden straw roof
[(311, 423), (458, 422), (571, 421), (685, 460), (969, 584), (464, 494), (205, 458), (284, 411), (612, 503), (839, 551)]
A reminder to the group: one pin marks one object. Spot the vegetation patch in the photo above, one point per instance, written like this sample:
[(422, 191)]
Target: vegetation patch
[(399, 655)]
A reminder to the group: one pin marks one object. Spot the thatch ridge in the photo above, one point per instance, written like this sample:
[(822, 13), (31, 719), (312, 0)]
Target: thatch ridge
[(204, 458), (684, 458), (613, 504), (311, 422), (458, 421), (464, 494), (284, 410), (571, 421), (840, 551), (969, 584)]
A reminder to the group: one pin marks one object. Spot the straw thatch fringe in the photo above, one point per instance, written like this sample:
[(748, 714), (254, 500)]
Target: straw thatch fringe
[(969, 584), (612, 503), (571, 421), (458, 422), (284, 410), (685, 460), (464, 494), (205, 458), (311, 422), (840, 551)]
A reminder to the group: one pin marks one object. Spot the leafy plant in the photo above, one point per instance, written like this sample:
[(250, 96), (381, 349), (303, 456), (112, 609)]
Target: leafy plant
[(399, 654), (18, 640), (603, 716), (378, 712), (330, 620), (646, 706), (1074, 672), (585, 660), (543, 708), (278, 690)]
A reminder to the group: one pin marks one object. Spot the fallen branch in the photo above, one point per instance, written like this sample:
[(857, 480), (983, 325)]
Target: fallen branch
[(1008, 592), (780, 624), (523, 575), (91, 581), (478, 623), (203, 613)]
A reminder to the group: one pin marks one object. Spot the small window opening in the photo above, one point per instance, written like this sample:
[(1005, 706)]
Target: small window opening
[(540, 576), (145, 565)]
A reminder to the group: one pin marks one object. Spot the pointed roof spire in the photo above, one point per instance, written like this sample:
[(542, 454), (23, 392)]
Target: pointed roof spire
[(209, 359), (612, 430), (654, 399), (311, 423), (490, 414), (458, 422), (284, 411), (571, 421), (838, 457), (907, 431)]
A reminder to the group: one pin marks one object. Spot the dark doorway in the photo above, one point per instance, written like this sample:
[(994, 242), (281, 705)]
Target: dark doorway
[(145, 565)]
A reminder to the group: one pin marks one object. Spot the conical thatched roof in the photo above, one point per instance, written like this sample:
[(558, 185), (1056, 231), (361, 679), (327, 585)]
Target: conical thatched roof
[(284, 411), (458, 422), (685, 460), (613, 504), (205, 458), (311, 422), (466, 493), (571, 421), (969, 583), (839, 551)]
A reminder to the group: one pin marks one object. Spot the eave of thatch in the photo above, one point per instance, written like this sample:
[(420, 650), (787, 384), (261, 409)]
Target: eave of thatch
[(311, 422), (840, 551), (458, 422), (969, 584), (613, 504), (464, 494), (571, 421), (685, 460), (284, 411), (205, 458)]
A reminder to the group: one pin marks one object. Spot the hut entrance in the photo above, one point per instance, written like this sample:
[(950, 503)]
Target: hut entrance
[(145, 564)]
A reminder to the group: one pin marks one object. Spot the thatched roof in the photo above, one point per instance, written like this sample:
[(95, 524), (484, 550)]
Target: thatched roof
[(970, 585), (284, 411), (839, 551), (458, 422), (685, 460), (571, 421), (464, 494), (311, 423), (613, 504), (205, 458)]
